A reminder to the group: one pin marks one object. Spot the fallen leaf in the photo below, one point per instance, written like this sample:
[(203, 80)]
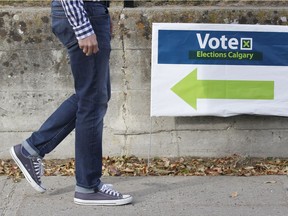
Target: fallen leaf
[(270, 182), (249, 168), (234, 194), (127, 170)]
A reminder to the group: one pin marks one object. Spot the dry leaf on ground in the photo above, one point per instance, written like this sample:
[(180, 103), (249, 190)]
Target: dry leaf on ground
[(234, 194)]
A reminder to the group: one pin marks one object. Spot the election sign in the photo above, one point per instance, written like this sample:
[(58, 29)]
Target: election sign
[(219, 70)]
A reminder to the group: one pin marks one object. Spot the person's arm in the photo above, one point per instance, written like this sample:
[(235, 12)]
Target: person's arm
[(77, 17)]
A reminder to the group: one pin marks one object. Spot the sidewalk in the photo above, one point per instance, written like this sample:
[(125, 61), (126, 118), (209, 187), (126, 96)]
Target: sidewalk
[(175, 196)]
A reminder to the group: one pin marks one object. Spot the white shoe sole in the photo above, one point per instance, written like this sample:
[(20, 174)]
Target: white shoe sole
[(25, 172), (126, 200)]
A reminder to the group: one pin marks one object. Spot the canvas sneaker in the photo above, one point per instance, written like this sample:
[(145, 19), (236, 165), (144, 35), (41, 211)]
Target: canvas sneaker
[(31, 167), (104, 196)]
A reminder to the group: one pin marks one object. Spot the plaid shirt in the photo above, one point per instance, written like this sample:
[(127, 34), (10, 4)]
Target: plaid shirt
[(77, 17)]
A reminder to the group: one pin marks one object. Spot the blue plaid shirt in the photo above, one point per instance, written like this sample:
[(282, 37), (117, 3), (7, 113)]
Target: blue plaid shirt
[(77, 17)]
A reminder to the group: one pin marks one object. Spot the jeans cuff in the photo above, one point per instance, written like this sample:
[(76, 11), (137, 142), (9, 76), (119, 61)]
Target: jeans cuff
[(30, 149), (79, 187)]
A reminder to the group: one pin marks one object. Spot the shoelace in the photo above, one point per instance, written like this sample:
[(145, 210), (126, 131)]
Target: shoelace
[(38, 167), (110, 191)]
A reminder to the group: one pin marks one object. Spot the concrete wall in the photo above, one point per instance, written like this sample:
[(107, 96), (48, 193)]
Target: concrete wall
[(35, 79)]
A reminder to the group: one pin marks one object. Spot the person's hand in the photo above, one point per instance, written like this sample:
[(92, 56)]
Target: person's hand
[(89, 45)]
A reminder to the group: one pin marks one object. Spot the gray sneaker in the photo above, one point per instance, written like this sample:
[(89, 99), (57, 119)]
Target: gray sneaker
[(31, 167), (105, 196)]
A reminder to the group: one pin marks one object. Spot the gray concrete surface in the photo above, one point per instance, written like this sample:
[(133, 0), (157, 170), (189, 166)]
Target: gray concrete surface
[(35, 78), (155, 196)]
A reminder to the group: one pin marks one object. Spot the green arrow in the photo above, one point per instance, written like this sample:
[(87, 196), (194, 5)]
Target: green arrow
[(190, 89)]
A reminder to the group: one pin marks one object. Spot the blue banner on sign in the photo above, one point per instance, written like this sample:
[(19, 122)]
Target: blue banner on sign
[(222, 47)]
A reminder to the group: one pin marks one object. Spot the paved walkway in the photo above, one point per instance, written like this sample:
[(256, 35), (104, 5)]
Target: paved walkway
[(175, 196)]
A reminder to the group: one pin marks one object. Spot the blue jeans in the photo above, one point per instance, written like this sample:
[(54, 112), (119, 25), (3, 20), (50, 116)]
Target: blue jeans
[(85, 109)]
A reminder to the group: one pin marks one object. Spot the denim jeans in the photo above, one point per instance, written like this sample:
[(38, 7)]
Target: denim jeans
[(85, 109)]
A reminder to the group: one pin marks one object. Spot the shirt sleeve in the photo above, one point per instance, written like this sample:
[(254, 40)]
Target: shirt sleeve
[(77, 17)]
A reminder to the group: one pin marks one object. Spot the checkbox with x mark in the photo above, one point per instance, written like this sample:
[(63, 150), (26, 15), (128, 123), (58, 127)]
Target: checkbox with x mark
[(246, 43)]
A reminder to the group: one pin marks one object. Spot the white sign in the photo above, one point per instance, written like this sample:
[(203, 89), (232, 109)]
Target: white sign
[(206, 69)]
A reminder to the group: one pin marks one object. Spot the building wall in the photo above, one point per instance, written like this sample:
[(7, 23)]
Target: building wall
[(35, 78)]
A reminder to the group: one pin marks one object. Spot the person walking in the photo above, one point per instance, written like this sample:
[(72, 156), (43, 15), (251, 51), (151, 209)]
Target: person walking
[(84, 28)]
